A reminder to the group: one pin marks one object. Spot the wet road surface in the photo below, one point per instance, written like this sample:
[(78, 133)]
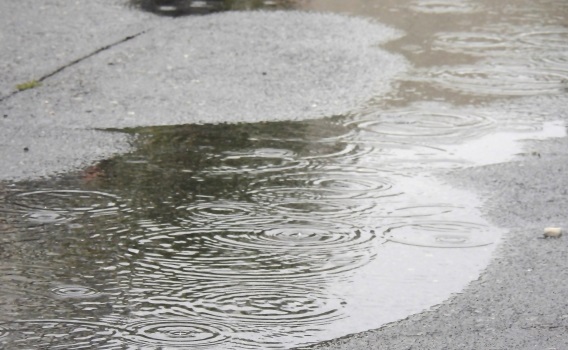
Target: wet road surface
[(274, 234)]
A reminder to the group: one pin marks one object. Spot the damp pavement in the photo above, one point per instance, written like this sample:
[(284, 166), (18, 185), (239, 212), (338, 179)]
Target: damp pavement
[(112, 66), (518, 302)]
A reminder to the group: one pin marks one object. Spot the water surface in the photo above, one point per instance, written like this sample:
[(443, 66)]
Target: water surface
[(281, 234)]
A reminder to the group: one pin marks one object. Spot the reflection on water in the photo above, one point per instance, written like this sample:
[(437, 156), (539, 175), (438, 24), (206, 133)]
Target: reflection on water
[(245, 236), (279, 234)]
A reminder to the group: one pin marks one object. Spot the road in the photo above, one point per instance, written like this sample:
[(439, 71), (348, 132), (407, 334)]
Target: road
[(111, 66), (520, 302)]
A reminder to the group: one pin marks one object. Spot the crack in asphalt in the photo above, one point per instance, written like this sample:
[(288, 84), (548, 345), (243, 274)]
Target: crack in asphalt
[(78, 60)]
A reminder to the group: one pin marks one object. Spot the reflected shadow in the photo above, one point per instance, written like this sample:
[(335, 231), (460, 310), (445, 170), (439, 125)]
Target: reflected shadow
[(176, 166)]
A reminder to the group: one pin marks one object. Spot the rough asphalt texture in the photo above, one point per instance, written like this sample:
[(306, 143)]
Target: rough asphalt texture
[(519, 303), (110, 66)]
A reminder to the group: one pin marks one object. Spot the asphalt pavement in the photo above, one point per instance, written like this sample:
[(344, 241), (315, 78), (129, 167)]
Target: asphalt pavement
[(108, 65), (89, 58)]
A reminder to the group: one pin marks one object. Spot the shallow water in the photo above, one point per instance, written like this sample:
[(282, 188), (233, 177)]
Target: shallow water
[(281, 234)]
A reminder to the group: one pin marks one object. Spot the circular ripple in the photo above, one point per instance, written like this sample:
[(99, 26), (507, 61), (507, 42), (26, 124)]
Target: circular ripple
[(552, 60), (258, 161), (442, 234), (177, 333), (502, 80), (338, 152), (421, 210), (502, 42), (267, 303), (227, 215), (322, 185), (75, 292), (554, 39), (307, 155), (217, 214), (62, 334), (443, 6), (296, 252), (325, 209), (299, 237), (66, 201), (478, 44), (426, 122)]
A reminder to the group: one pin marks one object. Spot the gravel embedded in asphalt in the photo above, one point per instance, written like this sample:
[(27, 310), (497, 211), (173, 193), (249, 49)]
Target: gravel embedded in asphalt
[(227, 67)]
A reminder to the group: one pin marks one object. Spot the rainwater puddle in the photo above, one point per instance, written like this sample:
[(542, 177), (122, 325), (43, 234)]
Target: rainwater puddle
[(267, 235), (283, 234)]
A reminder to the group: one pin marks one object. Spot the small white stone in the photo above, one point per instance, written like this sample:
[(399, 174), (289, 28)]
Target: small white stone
[(553, 232)]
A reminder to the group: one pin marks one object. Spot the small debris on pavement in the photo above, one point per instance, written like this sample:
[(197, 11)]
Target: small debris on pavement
[(554, 232)]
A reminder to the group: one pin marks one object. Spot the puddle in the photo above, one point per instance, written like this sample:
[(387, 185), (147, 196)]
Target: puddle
[(271, 235), (261, 235)]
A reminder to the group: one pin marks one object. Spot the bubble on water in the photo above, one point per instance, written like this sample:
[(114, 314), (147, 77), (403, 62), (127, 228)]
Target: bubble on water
[(442, 234), (75, 292), (177, 333)]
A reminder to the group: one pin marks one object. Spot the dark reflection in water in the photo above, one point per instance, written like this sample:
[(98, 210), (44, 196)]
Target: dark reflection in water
[(223, 236), (191, 7)]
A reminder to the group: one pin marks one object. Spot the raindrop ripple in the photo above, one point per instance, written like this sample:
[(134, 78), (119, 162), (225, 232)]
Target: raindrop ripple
[(442, 234)]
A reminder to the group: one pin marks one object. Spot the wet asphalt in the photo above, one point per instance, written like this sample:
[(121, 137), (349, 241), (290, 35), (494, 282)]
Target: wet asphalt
[(520, 302), (112, 66)]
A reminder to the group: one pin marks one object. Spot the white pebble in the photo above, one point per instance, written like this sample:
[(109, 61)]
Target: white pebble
[(552, 232)]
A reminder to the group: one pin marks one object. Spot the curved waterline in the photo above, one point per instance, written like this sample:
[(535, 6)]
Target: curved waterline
[(274, 235)]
